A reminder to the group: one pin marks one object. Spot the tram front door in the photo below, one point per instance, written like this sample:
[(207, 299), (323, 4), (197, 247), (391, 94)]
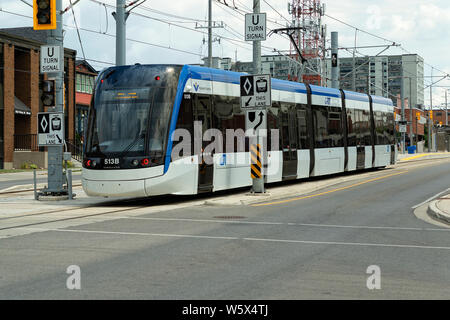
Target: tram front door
[(202, 113)]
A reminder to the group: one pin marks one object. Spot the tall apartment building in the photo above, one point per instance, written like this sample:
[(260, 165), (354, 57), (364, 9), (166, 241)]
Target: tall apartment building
[(383, 76)]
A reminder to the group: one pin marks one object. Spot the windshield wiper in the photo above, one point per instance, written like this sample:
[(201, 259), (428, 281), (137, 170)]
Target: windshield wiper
[(132, 144)]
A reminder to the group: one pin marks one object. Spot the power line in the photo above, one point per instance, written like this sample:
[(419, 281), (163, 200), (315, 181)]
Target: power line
[(112, 35), (381, 38)]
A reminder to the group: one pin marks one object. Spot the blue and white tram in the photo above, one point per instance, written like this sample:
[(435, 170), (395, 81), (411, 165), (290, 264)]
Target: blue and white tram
[(136, 110)]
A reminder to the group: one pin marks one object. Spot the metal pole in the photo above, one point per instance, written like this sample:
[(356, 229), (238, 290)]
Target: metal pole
[(55, 153), (402, 96), (121, 19), (446, 109), (69, 183), (429, 120), (256, 44), (258, 184), (411, 142), (35, 185), (354, 65), (334, 55), (210, 33)]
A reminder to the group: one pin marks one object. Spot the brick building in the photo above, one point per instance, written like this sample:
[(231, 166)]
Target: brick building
[(439, 116), (20, 101), (85, 80), (418, 120)]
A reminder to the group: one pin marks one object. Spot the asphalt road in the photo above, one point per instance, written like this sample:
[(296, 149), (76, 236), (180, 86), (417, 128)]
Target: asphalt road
[(19, 179), (318, 246)]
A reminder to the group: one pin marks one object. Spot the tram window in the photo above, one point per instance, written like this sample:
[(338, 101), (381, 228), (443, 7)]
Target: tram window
[(302, 127), (224, 118), (320, 114), (272, 123), (389, 132), (288, 126), (366, 128), (185, 120), (159, 120), (351, 127), (335, 127)]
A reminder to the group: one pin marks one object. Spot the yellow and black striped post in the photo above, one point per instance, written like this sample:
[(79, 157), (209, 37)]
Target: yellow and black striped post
[(256, 167)]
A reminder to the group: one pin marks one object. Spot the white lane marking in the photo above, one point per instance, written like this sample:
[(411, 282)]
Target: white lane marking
[(283, 223), (431, 199), (239, 238)]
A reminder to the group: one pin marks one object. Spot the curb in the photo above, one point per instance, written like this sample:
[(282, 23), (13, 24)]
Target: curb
[(437, 214), (442, 156), (247, 199)]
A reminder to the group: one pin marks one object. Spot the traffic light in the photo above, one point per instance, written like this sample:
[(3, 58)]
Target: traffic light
[(431, 114), (44, 14), (48, 93)]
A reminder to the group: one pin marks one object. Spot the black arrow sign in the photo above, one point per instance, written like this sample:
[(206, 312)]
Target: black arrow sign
[(59, 139), (261, 115), (248, 101)]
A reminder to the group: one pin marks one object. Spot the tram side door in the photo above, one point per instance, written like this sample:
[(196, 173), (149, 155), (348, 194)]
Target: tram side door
[(289, 136), (202, 113)]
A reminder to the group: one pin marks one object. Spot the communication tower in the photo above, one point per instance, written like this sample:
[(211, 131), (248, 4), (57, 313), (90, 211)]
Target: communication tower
[(310, 39)]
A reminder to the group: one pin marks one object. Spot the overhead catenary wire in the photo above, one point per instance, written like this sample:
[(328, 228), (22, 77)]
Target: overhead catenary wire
[(78, 31)]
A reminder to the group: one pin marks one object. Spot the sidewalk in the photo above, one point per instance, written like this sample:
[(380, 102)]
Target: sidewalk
[(439, 209)]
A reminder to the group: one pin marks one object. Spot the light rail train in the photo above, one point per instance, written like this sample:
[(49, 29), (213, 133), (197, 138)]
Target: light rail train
[(136, 109)]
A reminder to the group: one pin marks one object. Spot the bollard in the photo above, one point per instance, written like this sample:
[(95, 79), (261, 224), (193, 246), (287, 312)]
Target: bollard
[(35, 187), (69, 183)]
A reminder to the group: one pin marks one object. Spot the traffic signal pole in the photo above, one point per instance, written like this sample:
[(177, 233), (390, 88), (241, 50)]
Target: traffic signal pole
[(55, 153), (258, 183), (121, 17)]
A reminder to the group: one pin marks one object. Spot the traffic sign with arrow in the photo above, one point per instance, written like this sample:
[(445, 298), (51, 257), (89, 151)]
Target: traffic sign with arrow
[(255, 120)]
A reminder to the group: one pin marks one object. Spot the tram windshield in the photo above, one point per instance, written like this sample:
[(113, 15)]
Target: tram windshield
[(130, 122)]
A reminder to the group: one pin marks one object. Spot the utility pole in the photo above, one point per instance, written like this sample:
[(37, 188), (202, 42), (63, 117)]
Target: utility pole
[(430, 124), (121, 21), (446, 109), (55, 153), (411, 131), (402, 96), (334, 61), (256, 44), (209, 33)]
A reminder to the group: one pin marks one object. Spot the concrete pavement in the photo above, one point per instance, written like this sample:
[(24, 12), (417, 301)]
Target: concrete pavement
[(439, 209)]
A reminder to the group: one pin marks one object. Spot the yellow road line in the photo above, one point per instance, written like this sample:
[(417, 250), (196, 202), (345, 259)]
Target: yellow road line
[(420, 156), (330, 191)]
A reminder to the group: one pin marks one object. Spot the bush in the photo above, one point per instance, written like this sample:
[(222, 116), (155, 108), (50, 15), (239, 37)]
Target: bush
[(69, 164), (28, 165)]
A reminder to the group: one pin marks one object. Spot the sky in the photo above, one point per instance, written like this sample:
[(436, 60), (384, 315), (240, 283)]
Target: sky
[(170, 31)]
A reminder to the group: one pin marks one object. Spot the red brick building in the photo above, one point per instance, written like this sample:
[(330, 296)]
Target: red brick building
[(85, 80), (418, 120), (439, 116), (20, 101)]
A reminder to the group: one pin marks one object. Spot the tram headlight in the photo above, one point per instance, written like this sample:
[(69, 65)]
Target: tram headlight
[(135, 162)]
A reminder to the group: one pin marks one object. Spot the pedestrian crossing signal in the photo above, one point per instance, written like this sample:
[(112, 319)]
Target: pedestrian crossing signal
[(44, 14)]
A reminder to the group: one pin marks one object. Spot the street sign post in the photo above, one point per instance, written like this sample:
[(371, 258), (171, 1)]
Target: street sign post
[(255, 91), (255, 27), (50, 59), (50, 129)]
